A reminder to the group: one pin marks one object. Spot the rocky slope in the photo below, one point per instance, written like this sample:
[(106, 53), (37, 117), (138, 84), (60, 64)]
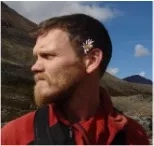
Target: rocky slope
[(16, 59)]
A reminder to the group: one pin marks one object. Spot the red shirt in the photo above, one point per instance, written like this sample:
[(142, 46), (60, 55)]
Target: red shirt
[(98, 130)]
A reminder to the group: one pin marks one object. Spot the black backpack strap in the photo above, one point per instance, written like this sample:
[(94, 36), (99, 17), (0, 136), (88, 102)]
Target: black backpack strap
[(62, 134), (120, 138), (41, 127), (58, 134)]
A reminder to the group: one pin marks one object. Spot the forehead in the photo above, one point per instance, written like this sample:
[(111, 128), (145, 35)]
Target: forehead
[(55, 39)]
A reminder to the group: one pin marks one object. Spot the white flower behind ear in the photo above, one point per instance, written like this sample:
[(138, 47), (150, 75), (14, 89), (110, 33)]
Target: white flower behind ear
[(88, 45)]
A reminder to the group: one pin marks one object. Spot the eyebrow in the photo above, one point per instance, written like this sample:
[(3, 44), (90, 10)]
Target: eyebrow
[(45, 50)]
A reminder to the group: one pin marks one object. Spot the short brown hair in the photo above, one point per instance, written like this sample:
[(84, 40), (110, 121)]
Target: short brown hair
[(81, 27)]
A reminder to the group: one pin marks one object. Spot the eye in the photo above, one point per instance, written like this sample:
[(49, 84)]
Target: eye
[(47, 56)]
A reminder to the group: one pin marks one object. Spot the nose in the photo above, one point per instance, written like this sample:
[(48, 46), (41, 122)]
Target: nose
[(37, 66)]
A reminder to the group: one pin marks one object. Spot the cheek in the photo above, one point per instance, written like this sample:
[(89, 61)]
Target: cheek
[(71, 74), (62, 71), (55, 68)]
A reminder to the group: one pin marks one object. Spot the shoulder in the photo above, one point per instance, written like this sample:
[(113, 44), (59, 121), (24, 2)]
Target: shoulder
[(136, 135), (19, 130)]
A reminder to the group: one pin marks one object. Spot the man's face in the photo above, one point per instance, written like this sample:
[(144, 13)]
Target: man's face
[(58, 70)]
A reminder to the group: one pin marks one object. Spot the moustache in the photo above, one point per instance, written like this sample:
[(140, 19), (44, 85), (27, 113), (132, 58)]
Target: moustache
[(38, 77)]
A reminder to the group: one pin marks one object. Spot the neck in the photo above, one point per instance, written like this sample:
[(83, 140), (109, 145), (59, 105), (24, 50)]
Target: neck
[(83, 104)]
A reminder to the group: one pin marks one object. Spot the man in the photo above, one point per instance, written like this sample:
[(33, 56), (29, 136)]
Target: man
[(72, 53)]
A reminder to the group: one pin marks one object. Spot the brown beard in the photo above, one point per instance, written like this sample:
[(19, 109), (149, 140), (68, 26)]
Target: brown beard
[(64, 92), (60, 98)]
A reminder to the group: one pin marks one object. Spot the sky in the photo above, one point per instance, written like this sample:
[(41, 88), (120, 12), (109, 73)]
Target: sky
[(128, 23)]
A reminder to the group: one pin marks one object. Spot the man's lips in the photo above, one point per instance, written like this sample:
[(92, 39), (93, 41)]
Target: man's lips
[(38, 78)]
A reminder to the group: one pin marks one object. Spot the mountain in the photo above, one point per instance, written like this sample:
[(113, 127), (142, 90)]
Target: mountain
[(16, 43), (16, 59), (138, 79)]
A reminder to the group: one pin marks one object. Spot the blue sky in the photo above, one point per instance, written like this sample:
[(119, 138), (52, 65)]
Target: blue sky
[(129, 25), (133, 27)]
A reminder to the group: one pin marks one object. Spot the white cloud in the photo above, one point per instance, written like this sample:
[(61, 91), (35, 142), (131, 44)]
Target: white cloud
[(140, 51), (142, 74), (113, 71), (38, 11)]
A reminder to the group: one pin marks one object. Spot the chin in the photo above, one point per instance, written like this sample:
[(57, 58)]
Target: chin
[(44, 96), (41, 96)]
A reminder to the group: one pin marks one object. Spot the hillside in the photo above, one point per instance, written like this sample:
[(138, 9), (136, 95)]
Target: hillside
[(118, 87), (138, 79), (16, 43), (16, 60)]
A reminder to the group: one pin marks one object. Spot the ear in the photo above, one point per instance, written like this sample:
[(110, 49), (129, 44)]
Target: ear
[(93, 60)]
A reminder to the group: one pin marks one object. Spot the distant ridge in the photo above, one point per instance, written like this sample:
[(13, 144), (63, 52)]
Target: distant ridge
[(138, 79)]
